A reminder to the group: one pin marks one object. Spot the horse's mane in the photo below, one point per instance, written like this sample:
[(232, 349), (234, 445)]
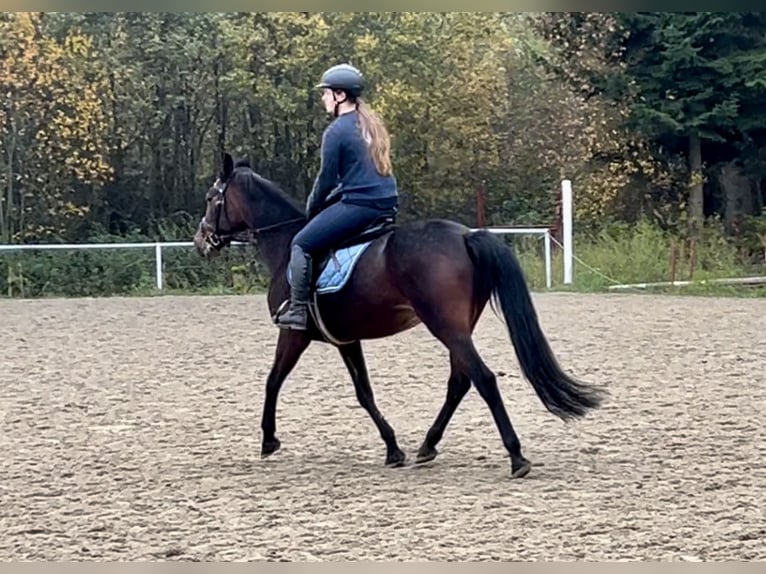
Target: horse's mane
[(251, 182)]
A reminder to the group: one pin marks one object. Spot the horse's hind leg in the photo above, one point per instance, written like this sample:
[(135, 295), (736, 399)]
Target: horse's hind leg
[(448, 301), (457, 386), (469, 361), (353, 357), (465, 359)]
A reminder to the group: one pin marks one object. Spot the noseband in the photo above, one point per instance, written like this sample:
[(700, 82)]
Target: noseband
[(214, 238)]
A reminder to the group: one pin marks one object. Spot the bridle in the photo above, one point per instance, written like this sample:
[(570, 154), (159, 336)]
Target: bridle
[(216, 239)]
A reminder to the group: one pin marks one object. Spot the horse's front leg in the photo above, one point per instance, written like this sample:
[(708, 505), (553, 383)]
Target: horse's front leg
[(290, 347), (353, 357)]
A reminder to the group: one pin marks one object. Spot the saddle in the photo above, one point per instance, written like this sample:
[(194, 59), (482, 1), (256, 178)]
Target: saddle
[(377, 228), (330, 270)]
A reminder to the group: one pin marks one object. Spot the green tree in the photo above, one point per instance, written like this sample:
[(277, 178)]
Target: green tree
[(696, 79)]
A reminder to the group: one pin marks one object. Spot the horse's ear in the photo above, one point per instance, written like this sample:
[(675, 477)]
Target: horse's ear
[(228, 165)]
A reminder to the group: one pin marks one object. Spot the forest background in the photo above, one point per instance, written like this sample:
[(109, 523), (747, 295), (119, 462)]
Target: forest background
[(112, 127)]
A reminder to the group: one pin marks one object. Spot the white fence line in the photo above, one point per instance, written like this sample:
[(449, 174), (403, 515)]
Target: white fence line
[(545, 232), (160, 245)]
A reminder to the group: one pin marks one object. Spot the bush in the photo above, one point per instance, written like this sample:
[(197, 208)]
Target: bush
[(619, 253), (640, 253), (103, 272)]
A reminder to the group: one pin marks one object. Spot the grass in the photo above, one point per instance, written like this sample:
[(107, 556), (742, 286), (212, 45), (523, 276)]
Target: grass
[(618, 254), (622, 254)]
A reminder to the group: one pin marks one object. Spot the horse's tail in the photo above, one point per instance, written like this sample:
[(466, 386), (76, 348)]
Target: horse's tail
[(498, 274)]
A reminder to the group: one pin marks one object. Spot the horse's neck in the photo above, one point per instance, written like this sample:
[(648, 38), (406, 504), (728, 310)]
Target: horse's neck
[(275, 243), (275, 249)]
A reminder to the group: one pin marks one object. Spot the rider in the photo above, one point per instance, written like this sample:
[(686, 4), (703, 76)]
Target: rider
[(356, 167)]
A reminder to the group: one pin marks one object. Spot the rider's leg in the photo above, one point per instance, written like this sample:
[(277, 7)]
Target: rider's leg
[(331, 226)]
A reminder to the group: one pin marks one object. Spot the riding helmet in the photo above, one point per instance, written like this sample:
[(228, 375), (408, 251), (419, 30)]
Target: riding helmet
[(343, 77)]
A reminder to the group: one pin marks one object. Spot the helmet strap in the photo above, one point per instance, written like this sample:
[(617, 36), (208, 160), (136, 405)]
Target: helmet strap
[(337, 103)]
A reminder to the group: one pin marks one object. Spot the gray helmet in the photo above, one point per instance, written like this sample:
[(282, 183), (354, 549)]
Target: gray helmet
[(343, 77)]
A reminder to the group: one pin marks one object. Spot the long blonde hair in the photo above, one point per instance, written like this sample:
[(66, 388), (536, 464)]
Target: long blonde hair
[(375, 134)]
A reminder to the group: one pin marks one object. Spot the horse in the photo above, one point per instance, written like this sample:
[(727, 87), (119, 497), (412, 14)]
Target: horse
[(436, 272)]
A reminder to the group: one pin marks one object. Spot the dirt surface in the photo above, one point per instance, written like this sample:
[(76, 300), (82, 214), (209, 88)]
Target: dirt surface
[(131, 431)]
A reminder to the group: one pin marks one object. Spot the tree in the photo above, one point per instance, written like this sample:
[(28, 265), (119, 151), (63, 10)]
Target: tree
[(52, 127), (696, 79)]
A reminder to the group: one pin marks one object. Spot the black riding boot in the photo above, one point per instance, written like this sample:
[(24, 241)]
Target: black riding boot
[(296, 315)]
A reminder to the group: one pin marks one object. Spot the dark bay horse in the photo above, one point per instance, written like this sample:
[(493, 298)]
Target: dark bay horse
[(436, 272)]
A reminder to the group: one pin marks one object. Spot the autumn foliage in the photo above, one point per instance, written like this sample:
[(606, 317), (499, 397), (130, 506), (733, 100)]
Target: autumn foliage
[(118, 119), (52, 127), (112, 124)]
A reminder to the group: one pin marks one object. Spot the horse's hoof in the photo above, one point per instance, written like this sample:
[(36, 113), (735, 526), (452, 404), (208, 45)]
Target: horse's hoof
[(269, 447), (426, 454), (396, 459), (520, 467)]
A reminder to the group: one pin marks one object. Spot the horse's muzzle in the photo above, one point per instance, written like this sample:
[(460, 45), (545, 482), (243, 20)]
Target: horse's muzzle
[(206, 242)]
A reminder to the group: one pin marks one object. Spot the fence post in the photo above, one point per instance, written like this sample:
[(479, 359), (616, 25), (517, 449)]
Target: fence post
[(566, 214), (548, 279), (158, 264)]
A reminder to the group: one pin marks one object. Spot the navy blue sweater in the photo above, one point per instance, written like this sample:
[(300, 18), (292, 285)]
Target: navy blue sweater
[(347, 164)]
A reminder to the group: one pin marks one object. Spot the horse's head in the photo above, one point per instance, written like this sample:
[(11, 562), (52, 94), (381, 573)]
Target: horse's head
[(226, 213), (239, 202)]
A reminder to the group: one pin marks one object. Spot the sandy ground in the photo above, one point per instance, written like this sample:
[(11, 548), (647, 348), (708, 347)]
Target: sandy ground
[(131, 431)]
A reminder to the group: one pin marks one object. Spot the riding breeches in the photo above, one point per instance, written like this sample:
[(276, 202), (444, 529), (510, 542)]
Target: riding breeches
[(336, 223)]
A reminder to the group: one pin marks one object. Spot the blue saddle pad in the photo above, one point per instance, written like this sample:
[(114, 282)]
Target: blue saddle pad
[(338, 268)]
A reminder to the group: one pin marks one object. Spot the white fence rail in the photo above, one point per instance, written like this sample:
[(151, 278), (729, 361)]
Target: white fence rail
[(566, 209), (159, 246)]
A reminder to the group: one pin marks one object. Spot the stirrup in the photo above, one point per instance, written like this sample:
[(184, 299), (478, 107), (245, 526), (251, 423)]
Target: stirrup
[(292, 319), (280, 310)]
